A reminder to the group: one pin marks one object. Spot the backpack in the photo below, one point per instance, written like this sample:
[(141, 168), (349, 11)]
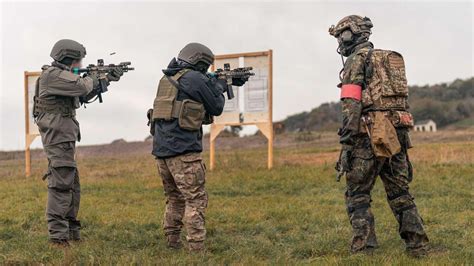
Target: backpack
[(386, 83)]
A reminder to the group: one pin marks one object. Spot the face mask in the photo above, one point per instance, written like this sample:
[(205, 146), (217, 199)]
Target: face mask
[(202, 67), (346, 36), (345, 40)]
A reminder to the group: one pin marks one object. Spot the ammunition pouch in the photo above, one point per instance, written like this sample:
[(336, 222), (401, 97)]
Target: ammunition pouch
[(190, 114), (60, 105)]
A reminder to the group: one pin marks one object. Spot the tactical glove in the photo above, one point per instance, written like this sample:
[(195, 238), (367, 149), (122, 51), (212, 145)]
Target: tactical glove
[(208, 119), (115, 74), (239, 81), (344, 164)]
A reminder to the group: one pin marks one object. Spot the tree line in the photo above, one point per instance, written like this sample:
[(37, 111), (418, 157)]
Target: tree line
[(444, 103)]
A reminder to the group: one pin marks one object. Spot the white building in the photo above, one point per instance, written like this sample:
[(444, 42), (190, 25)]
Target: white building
[(425, 126)]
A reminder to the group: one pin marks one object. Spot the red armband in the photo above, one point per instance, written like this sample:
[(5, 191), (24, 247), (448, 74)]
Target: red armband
[(351, 91)]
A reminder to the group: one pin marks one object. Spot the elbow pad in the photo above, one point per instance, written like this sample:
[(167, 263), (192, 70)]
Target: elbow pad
[(351, 91)]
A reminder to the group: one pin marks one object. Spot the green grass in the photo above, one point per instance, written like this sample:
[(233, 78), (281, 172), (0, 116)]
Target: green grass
[(293, 214)]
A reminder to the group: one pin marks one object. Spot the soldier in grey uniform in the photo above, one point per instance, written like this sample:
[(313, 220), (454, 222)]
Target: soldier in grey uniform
[(58, 93)]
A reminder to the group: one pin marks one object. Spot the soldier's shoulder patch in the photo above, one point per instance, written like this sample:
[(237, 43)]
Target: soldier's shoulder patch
[(68, 76)]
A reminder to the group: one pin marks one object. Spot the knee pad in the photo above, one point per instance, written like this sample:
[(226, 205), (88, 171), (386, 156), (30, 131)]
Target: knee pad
[(401, 202), (357, 200)]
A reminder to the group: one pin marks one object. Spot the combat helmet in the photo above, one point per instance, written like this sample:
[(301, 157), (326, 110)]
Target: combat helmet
[(355, 23), (351, 31), (194, 52), (67, 49)]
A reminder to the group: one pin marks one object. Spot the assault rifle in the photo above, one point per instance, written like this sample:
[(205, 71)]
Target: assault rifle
[(101, 70), (228, 74)]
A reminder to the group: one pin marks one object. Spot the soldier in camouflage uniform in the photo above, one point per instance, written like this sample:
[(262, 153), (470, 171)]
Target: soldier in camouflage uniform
[(58, 93), (367, 103), (186, 98)]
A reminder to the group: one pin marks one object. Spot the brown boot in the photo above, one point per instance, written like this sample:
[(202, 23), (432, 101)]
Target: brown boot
[(196, 246), (59, 243), (174, 241)]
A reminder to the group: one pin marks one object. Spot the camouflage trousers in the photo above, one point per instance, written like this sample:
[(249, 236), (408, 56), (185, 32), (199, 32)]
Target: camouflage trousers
[(396, 173), (64, 192), (184, 179)]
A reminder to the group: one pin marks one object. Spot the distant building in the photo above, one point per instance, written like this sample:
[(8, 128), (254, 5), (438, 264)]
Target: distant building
[(425, 126)]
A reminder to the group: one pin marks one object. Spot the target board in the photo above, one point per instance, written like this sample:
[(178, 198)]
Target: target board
[(252, 104)]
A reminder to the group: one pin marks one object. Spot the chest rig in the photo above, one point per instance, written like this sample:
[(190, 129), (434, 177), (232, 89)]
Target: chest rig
[(57, 105), (190, 114)]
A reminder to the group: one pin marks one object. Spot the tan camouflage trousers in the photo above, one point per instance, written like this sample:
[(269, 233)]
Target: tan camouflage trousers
[(395, 174), (183, 179)]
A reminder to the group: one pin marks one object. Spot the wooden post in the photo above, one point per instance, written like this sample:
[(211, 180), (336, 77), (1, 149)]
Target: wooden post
[(270, 109), (27, 129), (215, 130)]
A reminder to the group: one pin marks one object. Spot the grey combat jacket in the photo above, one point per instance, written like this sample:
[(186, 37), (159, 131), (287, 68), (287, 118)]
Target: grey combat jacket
[(57, 81)]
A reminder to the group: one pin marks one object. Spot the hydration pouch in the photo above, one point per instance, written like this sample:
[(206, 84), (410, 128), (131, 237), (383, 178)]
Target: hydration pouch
[(191, 115), (383, 137), (386, 81)]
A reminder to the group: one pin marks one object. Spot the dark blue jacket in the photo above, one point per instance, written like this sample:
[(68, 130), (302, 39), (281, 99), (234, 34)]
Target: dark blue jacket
[(171, 140)]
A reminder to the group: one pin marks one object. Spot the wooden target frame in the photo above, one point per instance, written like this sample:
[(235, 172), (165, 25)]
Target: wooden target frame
[(260, 61), (31, 130)]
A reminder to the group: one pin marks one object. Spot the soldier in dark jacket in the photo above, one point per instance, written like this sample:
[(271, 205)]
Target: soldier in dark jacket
[(186, 98), (374, 96), (58, 93)]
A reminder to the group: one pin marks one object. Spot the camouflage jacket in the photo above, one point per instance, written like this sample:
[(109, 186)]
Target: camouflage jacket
[(354, 73)]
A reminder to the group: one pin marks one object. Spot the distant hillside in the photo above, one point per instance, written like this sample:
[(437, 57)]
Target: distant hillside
[(447, 104)]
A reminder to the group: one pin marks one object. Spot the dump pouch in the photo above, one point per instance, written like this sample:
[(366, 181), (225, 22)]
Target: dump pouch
[(384, 137)]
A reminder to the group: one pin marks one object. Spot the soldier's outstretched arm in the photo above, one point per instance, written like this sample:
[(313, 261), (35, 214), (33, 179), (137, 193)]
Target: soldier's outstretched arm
[(69, 84), (209, 91), (213, 97)]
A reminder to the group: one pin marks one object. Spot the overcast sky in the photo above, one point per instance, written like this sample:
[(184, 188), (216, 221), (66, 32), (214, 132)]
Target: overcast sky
[(436, 40)]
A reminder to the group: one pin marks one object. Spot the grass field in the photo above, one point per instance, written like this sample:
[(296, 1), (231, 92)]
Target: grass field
[(293, 214)]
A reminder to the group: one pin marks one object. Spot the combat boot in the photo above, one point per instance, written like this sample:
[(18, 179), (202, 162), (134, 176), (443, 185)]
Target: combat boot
[(418, 252), (174, 241), (196, 247), (59, 243), (75, 235)]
